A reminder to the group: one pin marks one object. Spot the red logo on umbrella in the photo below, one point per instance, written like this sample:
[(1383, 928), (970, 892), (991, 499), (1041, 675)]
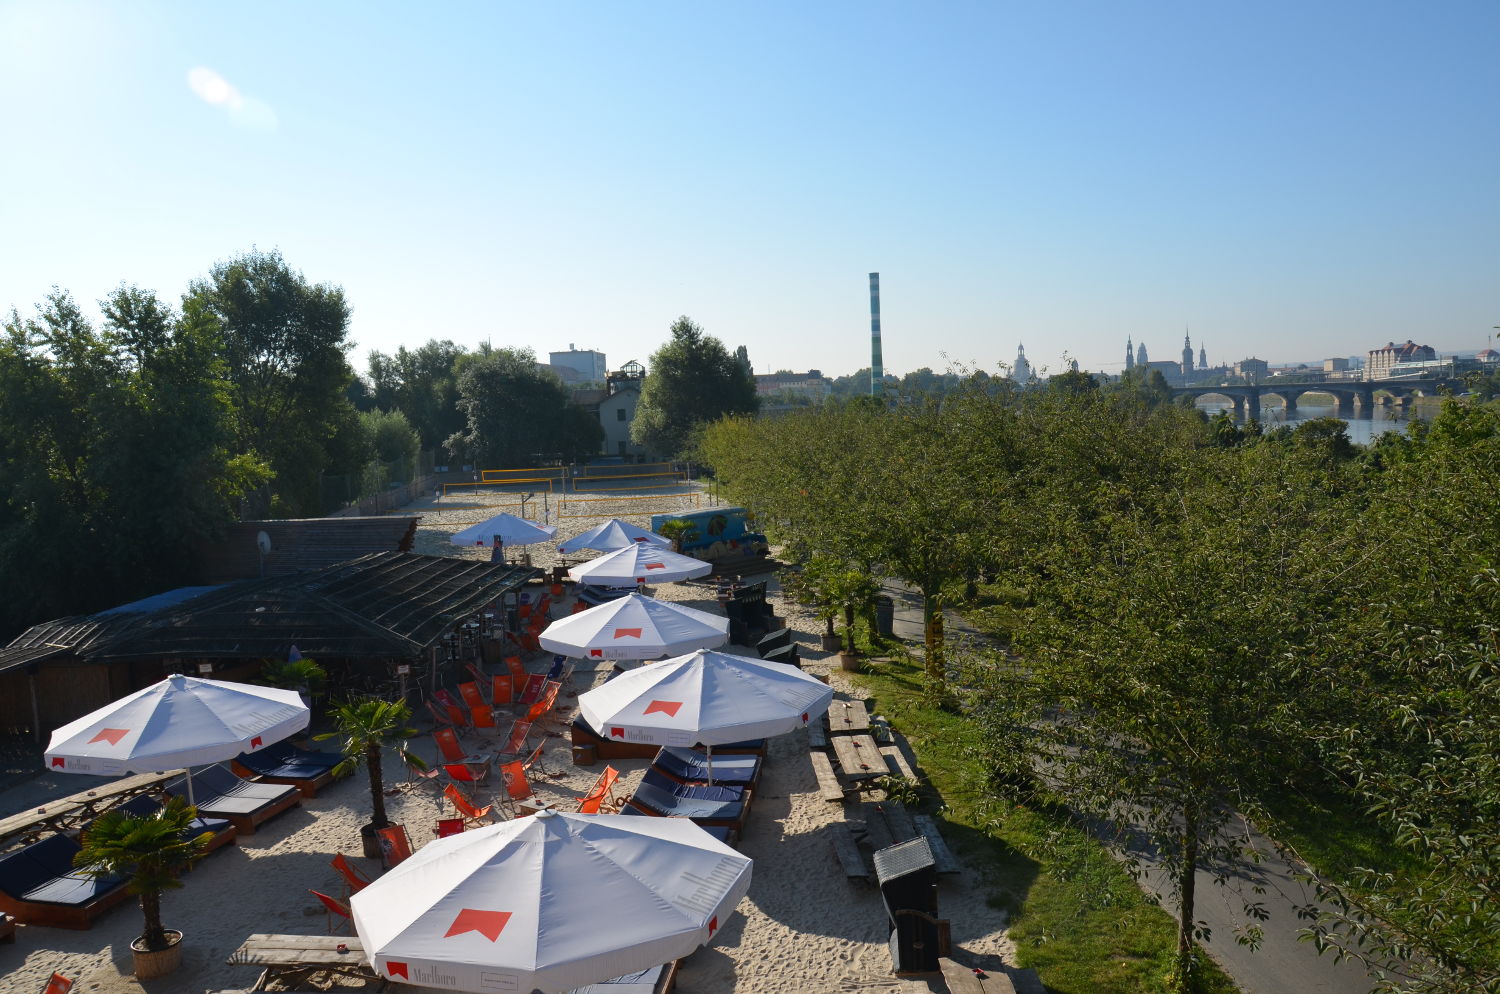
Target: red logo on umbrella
[(656, 565), (59, 761), (487, 923), (255, 742), (616, 732), (627, 633), (668, 708), (713, 924), (110, 735), (804, 717), (398, 969), (596, 652)]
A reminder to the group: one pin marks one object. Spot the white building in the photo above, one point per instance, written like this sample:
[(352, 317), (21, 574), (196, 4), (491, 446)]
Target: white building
[(588, 364)]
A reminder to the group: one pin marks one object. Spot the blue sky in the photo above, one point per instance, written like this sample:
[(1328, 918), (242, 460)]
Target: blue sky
[(1291, 181)]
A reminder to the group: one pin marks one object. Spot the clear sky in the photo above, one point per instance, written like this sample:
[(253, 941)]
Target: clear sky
[(1286, 180)]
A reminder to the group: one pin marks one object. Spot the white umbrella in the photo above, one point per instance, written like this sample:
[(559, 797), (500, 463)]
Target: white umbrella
[(639, 563), (705, 698), (508, 528), (613, 534), (551, 901), (181, 721), (635, 627)]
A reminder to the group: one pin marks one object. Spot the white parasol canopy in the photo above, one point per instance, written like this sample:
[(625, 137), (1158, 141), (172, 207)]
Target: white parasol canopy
[(550, 902), (707, 698), (639, 563), (508, 528), (635, 627), (613, 534), (181, 721)]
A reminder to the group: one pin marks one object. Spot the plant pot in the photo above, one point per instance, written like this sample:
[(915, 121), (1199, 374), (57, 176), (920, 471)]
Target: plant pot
[(831, 643), (850, 662), (158, 962), (369, 841)]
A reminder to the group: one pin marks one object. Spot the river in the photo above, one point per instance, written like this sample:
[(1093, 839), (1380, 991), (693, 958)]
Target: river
[(1361, 429)]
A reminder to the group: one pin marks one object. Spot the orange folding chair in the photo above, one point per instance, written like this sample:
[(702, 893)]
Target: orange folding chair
[(58, 985), (601, 796), (472, 697), (545, 702), (448, 826), (470, 814), (517, 787), (502, 687), (517, 668), (481, 718), (414, 773), (395, 846), (448, 747), (334, 909), (440, 715), (515, 742), (535, 684), (465, 773), (354, 878)]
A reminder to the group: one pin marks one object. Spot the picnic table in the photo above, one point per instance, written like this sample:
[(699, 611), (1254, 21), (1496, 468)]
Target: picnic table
[(293, 958), (848, 716), (68, 813), (859, 757)]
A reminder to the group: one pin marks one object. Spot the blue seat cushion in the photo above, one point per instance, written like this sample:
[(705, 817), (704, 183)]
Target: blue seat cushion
[(655, 779), (667, 803), (74, 888), (689, 764)]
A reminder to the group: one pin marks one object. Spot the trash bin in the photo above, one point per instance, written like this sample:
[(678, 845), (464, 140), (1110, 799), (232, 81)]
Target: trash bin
[(885, 615)]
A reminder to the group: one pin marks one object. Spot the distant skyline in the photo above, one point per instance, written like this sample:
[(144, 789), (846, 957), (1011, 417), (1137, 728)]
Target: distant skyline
[(1292, 181)]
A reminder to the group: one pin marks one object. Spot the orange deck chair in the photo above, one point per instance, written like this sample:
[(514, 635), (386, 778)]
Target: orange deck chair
[(470, 814), (502, 689), (395, 846), (334, 909), (448, 747), (472, 697), (58, 985), (517, 787), (447, 826), (515, 742), (517, 669), (601, 796), (545, 702), (482, 718), (535, 684), (354, 878)]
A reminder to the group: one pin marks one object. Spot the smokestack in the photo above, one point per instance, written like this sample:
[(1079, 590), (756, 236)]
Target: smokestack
[(877, 374)]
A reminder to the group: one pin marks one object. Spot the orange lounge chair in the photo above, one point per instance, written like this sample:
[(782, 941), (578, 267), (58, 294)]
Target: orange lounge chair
[(601, 796), (447, 744), (470, 814), (334, 908), (354, 878), (481, 718), (472, 697), (395, 846), (517, 787), (532, 692), (502, 689), (465, 773), (58, 985), (448, 826), (517, 668)]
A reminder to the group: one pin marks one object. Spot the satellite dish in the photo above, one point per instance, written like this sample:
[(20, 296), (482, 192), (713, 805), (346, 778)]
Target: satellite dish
[(263, 543)]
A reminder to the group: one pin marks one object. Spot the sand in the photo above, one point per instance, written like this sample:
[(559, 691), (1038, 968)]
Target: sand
[(803, 926)]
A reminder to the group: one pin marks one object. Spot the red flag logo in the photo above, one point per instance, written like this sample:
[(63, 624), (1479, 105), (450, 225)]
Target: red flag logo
[(596, 652), (627, 633), (110, 735), (640, 579), (713, 924), (668, 708), (616, 732), (59, 762), (804, 717), (487, 923), (656, 565), (398, 970), (255, 742)]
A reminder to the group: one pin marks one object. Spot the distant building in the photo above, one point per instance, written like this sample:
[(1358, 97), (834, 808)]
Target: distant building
[(1335, 365), (810, 384), (1129, 356), (1382, 364), (587, 365), (1022, 372), (1253, 370), (1140, 355), (1187, 358), (622, 393), (1487, 356)]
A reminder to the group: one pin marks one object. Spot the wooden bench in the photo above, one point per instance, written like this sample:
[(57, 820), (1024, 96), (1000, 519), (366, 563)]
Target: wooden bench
[(896, 760), (829, 788), (67, 814), (963, 980), (847, 851), (817, 738), (848, 716), (294, 958), (942, 856)]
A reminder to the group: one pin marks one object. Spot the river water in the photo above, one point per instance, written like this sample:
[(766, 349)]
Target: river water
[(1361, 430)]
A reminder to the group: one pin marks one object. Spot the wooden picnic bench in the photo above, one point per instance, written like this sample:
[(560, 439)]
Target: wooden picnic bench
[(829, 788), (848, 716), (72, 812), (291, 959), (859, 757), (963, 980)]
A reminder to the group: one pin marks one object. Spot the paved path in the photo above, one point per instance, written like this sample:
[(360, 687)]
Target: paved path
[(1282, 964)]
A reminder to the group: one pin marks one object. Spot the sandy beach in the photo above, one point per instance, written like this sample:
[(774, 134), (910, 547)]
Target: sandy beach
[(803, 927)]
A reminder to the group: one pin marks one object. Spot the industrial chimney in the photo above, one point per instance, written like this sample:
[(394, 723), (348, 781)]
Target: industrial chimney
[(877, 374)]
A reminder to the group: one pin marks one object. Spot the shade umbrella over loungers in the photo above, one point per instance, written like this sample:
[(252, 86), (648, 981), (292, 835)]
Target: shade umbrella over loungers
[(635, 627), (705, 698), (551, 901), (613, 534), (639, 563), (181, 721)]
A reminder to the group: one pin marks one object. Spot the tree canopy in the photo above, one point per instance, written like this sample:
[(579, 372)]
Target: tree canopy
[(517, 414), (690, 381)]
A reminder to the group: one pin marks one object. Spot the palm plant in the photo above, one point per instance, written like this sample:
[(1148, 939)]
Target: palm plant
[(678, 531), (150, 851), (367, 726)]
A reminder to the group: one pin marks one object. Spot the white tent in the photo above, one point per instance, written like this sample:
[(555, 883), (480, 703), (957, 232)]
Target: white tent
[(550, 902), (508, 528), (635, 627), (639, 563), (705, 698), (181, 721), (613, 534)]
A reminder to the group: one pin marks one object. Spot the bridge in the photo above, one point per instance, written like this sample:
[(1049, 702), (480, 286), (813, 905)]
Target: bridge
[(1347, 394)]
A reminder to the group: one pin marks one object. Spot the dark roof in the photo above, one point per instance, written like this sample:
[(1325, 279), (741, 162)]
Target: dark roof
[(301, 544), (386, 605)]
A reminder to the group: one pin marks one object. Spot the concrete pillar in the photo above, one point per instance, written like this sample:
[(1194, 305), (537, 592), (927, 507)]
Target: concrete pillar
[(1253, 404), (1239, 407), (1291, 406), (1346, 405)]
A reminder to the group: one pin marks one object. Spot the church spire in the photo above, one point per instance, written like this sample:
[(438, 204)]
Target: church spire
[(1129, 355)]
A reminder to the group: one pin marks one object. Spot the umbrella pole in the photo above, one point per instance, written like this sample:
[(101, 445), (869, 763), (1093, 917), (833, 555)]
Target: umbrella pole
[(710, 766), (190, 787)]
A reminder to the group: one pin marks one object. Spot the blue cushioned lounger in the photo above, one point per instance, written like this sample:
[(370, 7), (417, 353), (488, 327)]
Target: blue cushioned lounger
[(691, 765), (284, 763), (220, 794), (39, 886), (654, 800), (703, 792), (721, 832)]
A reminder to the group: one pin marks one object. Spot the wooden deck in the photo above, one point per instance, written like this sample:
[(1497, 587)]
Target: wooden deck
[(68, 813)]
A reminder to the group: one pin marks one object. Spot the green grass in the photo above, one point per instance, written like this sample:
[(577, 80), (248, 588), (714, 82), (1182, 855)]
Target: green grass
[(1076, 916)]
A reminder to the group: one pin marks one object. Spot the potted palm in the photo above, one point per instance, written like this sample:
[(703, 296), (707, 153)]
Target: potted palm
[(368, 726), (149, 851), (839, 588)]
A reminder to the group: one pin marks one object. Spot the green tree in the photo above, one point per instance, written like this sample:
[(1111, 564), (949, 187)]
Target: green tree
[(284, 342), (149, 851), (517, 414), (690, 381), (421, 383), (367, 727)]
